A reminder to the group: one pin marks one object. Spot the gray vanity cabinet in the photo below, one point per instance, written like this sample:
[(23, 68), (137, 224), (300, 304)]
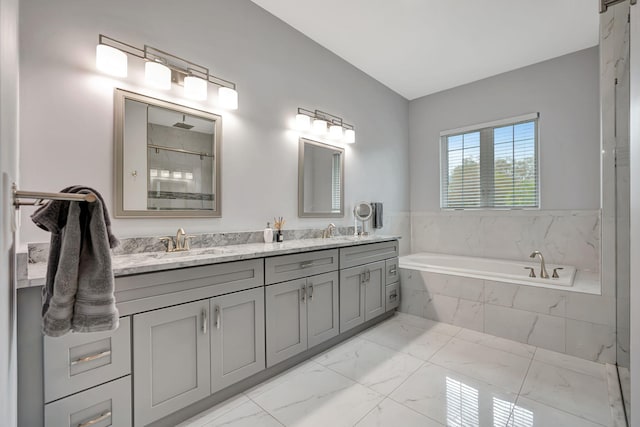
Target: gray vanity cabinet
[(362, 294), (171, 360), (237, 337), (300, 314)]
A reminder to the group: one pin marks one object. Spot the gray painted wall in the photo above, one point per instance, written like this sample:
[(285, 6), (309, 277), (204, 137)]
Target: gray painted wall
[(8, 173), (67, 108), (565, 92)]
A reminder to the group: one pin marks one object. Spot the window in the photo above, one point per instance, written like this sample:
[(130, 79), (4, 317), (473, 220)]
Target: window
[(494, 165)]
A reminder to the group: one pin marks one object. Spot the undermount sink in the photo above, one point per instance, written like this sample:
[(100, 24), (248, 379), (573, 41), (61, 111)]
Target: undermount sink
[(190, 253)]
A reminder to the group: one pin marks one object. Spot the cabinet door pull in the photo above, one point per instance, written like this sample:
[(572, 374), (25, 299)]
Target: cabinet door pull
[(304, 293), (204, 321), (367, 275), (306, 264), (96, 420), (218, 318), (311, 291), (91, 357)]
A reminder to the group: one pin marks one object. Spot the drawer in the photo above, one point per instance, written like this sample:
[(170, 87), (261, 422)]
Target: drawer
[(77, 361), (392, 296), (102, 406), (289, 267), (364, 254), (392, 272)]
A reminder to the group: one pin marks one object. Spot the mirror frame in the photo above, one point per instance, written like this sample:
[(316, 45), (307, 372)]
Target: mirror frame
[(119, 114), (301, 212)]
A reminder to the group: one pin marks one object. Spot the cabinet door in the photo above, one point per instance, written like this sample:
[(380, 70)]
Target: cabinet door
[(237, 337), (322, 308), (286, 314), (171, 362), (351, 298), (374, 290)]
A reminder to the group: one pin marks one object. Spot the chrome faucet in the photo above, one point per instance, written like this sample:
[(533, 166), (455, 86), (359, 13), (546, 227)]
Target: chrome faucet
[(328, 232), (543, 270), (178, 243)]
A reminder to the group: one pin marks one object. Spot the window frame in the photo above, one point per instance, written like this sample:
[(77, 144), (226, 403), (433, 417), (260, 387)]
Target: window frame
[(486, 150)]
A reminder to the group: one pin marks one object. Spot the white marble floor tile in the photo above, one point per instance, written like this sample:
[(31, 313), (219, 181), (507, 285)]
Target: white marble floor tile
[(278, 380), (406, 338), (428, 324), (517, 348), (454, 399), (317, 396), (370, 364), (570, 391), (529, 413), (232, 412), (390, 413), (497, 367), (566, 361)]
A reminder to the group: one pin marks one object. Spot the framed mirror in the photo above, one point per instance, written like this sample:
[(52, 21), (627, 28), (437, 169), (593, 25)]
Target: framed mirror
[(167, 159), (320, 180)]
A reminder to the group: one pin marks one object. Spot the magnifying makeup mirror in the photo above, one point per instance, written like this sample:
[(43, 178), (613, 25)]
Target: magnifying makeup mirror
[(362, 212)]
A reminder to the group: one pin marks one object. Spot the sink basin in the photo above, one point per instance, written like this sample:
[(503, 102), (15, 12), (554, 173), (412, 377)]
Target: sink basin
[(189, 253)]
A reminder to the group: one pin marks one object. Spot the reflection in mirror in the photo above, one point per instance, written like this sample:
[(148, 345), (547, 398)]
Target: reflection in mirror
[(167, 159), (320, 180)]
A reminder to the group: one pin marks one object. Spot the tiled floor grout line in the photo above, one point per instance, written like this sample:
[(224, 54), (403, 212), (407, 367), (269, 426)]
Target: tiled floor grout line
[(524, 379), (265, 410)]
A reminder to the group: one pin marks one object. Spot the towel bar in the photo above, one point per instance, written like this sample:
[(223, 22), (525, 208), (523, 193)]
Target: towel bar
[(40, 197)]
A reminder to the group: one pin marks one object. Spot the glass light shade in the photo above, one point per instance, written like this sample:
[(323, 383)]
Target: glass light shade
[(350, 136), (157, 75), (335, 132), (303, 122), (228, 98), (195, 88), (111, 60), (319, 126)]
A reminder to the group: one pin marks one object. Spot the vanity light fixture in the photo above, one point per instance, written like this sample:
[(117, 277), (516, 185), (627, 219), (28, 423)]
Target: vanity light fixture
[(163, 68), (324, 122)]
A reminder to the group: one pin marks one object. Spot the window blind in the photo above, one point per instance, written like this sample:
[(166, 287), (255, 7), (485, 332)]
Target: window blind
[(492, 166), (335, 183)]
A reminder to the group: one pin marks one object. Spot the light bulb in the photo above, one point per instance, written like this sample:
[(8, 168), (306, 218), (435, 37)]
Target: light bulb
[(319, 126), (228, 98), (195, 88), (303, 122), (335, 132), (157, 75), (350, 136), (111, 60)]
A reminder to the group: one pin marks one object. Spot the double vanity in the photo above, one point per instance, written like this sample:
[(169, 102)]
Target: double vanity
[(197, 327)]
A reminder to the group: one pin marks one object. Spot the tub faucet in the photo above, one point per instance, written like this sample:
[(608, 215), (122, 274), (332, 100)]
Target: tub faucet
[(543, 270)]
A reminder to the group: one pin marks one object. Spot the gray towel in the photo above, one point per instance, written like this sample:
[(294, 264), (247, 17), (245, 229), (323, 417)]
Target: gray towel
[(376, 217), (79, 289)]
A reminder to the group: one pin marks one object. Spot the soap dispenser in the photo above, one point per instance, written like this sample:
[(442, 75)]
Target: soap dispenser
[(268, 234)]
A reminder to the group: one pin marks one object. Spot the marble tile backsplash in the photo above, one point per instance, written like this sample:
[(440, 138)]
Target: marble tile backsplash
[(564, 237)]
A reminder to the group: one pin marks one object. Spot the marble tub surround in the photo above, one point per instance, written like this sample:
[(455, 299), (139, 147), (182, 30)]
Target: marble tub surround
[(577, 324), (466, 379), (145, 262), (563, 237)]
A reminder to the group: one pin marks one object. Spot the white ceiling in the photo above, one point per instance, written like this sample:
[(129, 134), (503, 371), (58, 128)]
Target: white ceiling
[(418, 47)]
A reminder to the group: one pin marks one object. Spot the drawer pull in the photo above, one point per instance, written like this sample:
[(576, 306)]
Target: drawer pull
[(393, 296), (205, 320), (96, 420), (91, 357), (393, 271), (306, 264)]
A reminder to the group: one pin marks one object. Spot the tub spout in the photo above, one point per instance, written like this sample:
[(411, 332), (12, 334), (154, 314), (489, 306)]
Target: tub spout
[(543, 270)]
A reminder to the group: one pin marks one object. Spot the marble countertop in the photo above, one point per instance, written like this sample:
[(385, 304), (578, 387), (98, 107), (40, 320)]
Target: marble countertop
[(146, 262)]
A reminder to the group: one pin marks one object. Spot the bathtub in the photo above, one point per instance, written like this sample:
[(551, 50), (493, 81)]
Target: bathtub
[(498, 270)]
